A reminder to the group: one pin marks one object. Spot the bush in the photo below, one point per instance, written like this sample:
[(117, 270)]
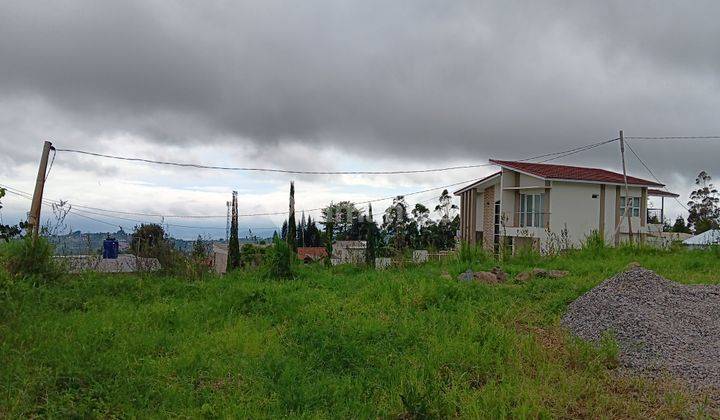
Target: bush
[(594, 243), (279, 261), (31, 258), (469, 254)]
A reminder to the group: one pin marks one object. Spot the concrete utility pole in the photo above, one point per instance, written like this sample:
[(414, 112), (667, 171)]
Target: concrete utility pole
[(34, 217), (627, 189)]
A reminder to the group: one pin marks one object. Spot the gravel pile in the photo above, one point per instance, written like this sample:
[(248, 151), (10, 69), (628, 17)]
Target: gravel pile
[(660, 326)]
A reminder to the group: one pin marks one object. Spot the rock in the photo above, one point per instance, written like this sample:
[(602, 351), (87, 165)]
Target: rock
[(632, 266), (499, 273), (524, 276), (486, 277), (541, 273), (466, 276)]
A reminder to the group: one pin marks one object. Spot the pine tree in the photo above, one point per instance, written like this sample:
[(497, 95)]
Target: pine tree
[(283, 230), (233, 261), (370, 238), (292, 229)]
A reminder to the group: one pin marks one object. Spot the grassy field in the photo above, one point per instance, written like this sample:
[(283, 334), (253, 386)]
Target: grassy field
[(341, 342)]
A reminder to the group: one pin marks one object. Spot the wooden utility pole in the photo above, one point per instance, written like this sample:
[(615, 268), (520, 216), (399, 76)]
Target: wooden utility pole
[(34, 217), (627, 189)]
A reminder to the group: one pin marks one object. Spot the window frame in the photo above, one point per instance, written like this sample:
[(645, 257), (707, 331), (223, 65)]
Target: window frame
[(634, 206), (531, 212)]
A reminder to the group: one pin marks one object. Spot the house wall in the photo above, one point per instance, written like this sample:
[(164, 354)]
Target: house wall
[(572, 205)]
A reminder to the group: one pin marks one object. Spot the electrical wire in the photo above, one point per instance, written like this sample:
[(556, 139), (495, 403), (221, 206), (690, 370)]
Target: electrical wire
[(276, 170), (553, 156), (291, 171), (650, 171), (673, 138)]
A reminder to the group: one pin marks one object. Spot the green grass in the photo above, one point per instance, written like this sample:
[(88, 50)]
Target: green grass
[(340, 342)]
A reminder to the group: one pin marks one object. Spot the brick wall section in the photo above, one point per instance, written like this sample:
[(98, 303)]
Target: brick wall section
[(488, 222)]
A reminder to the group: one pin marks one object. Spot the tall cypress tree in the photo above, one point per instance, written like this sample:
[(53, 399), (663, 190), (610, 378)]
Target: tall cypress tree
[(292, 228), (370, 237), (233, 260)]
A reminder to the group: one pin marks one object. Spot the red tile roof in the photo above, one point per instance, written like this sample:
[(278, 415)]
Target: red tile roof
[(573, 173), (313, 252)]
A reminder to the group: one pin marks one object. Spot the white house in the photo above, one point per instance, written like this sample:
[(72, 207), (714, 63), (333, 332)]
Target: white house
[(535, 204)]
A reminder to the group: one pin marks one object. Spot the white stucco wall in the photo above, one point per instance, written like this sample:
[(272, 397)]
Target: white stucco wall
[(572, 205)]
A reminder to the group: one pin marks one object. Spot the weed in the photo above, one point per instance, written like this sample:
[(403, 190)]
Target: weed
[(31, 258)]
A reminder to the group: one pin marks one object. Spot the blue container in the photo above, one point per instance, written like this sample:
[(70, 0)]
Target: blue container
[(111, 248)]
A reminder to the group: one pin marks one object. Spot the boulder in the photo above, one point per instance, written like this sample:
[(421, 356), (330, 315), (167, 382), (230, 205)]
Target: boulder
[(524, 276), (486, 277), (499, 273), (466, 276), (541, 273)]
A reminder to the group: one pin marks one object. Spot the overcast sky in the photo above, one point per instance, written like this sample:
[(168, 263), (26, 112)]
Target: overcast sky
[(335, 85)]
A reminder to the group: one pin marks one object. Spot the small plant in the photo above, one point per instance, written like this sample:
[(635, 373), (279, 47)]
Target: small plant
[(469, 254), (27, 258), (279, 261), (609, 350), (594, 243)]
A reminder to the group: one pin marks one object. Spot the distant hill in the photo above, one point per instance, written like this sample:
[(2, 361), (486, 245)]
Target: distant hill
[(83, 243)]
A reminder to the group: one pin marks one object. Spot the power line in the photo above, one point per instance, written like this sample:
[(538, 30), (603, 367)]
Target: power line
[(84, 209), (650, 171), (674, 138), (276, 170), (293, 171)]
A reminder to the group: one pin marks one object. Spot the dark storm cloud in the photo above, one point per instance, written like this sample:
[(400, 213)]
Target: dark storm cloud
[(426, 80)]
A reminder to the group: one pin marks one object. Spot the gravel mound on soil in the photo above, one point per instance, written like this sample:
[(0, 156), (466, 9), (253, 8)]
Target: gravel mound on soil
[(660, 326)]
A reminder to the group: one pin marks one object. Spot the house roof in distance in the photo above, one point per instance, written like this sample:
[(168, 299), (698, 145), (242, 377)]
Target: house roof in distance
[(573, 173), (661, 193)]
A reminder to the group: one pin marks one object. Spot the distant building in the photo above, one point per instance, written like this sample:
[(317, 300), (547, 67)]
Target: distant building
[(310, 254), (348, 252), (219, 257), (703, 240)]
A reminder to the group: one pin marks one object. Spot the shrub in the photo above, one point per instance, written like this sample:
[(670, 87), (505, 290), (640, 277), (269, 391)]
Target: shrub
[(469, 254), (279, 261), (27, 258), (594, 243)]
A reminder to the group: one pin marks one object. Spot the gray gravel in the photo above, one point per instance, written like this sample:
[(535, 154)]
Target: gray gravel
[(660, 326)]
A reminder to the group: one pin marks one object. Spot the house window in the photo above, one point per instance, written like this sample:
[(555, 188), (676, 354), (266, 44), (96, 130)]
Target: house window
[(531, 210), (634, 206)]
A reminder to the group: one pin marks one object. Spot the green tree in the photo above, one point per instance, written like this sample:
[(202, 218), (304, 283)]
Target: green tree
[(345, 219), (233, 261), (147, 240), (445, 206), (370, 235), (199, 251), (292, 228), (704, 211), (680, 226), (8, 232), (395, 223)]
